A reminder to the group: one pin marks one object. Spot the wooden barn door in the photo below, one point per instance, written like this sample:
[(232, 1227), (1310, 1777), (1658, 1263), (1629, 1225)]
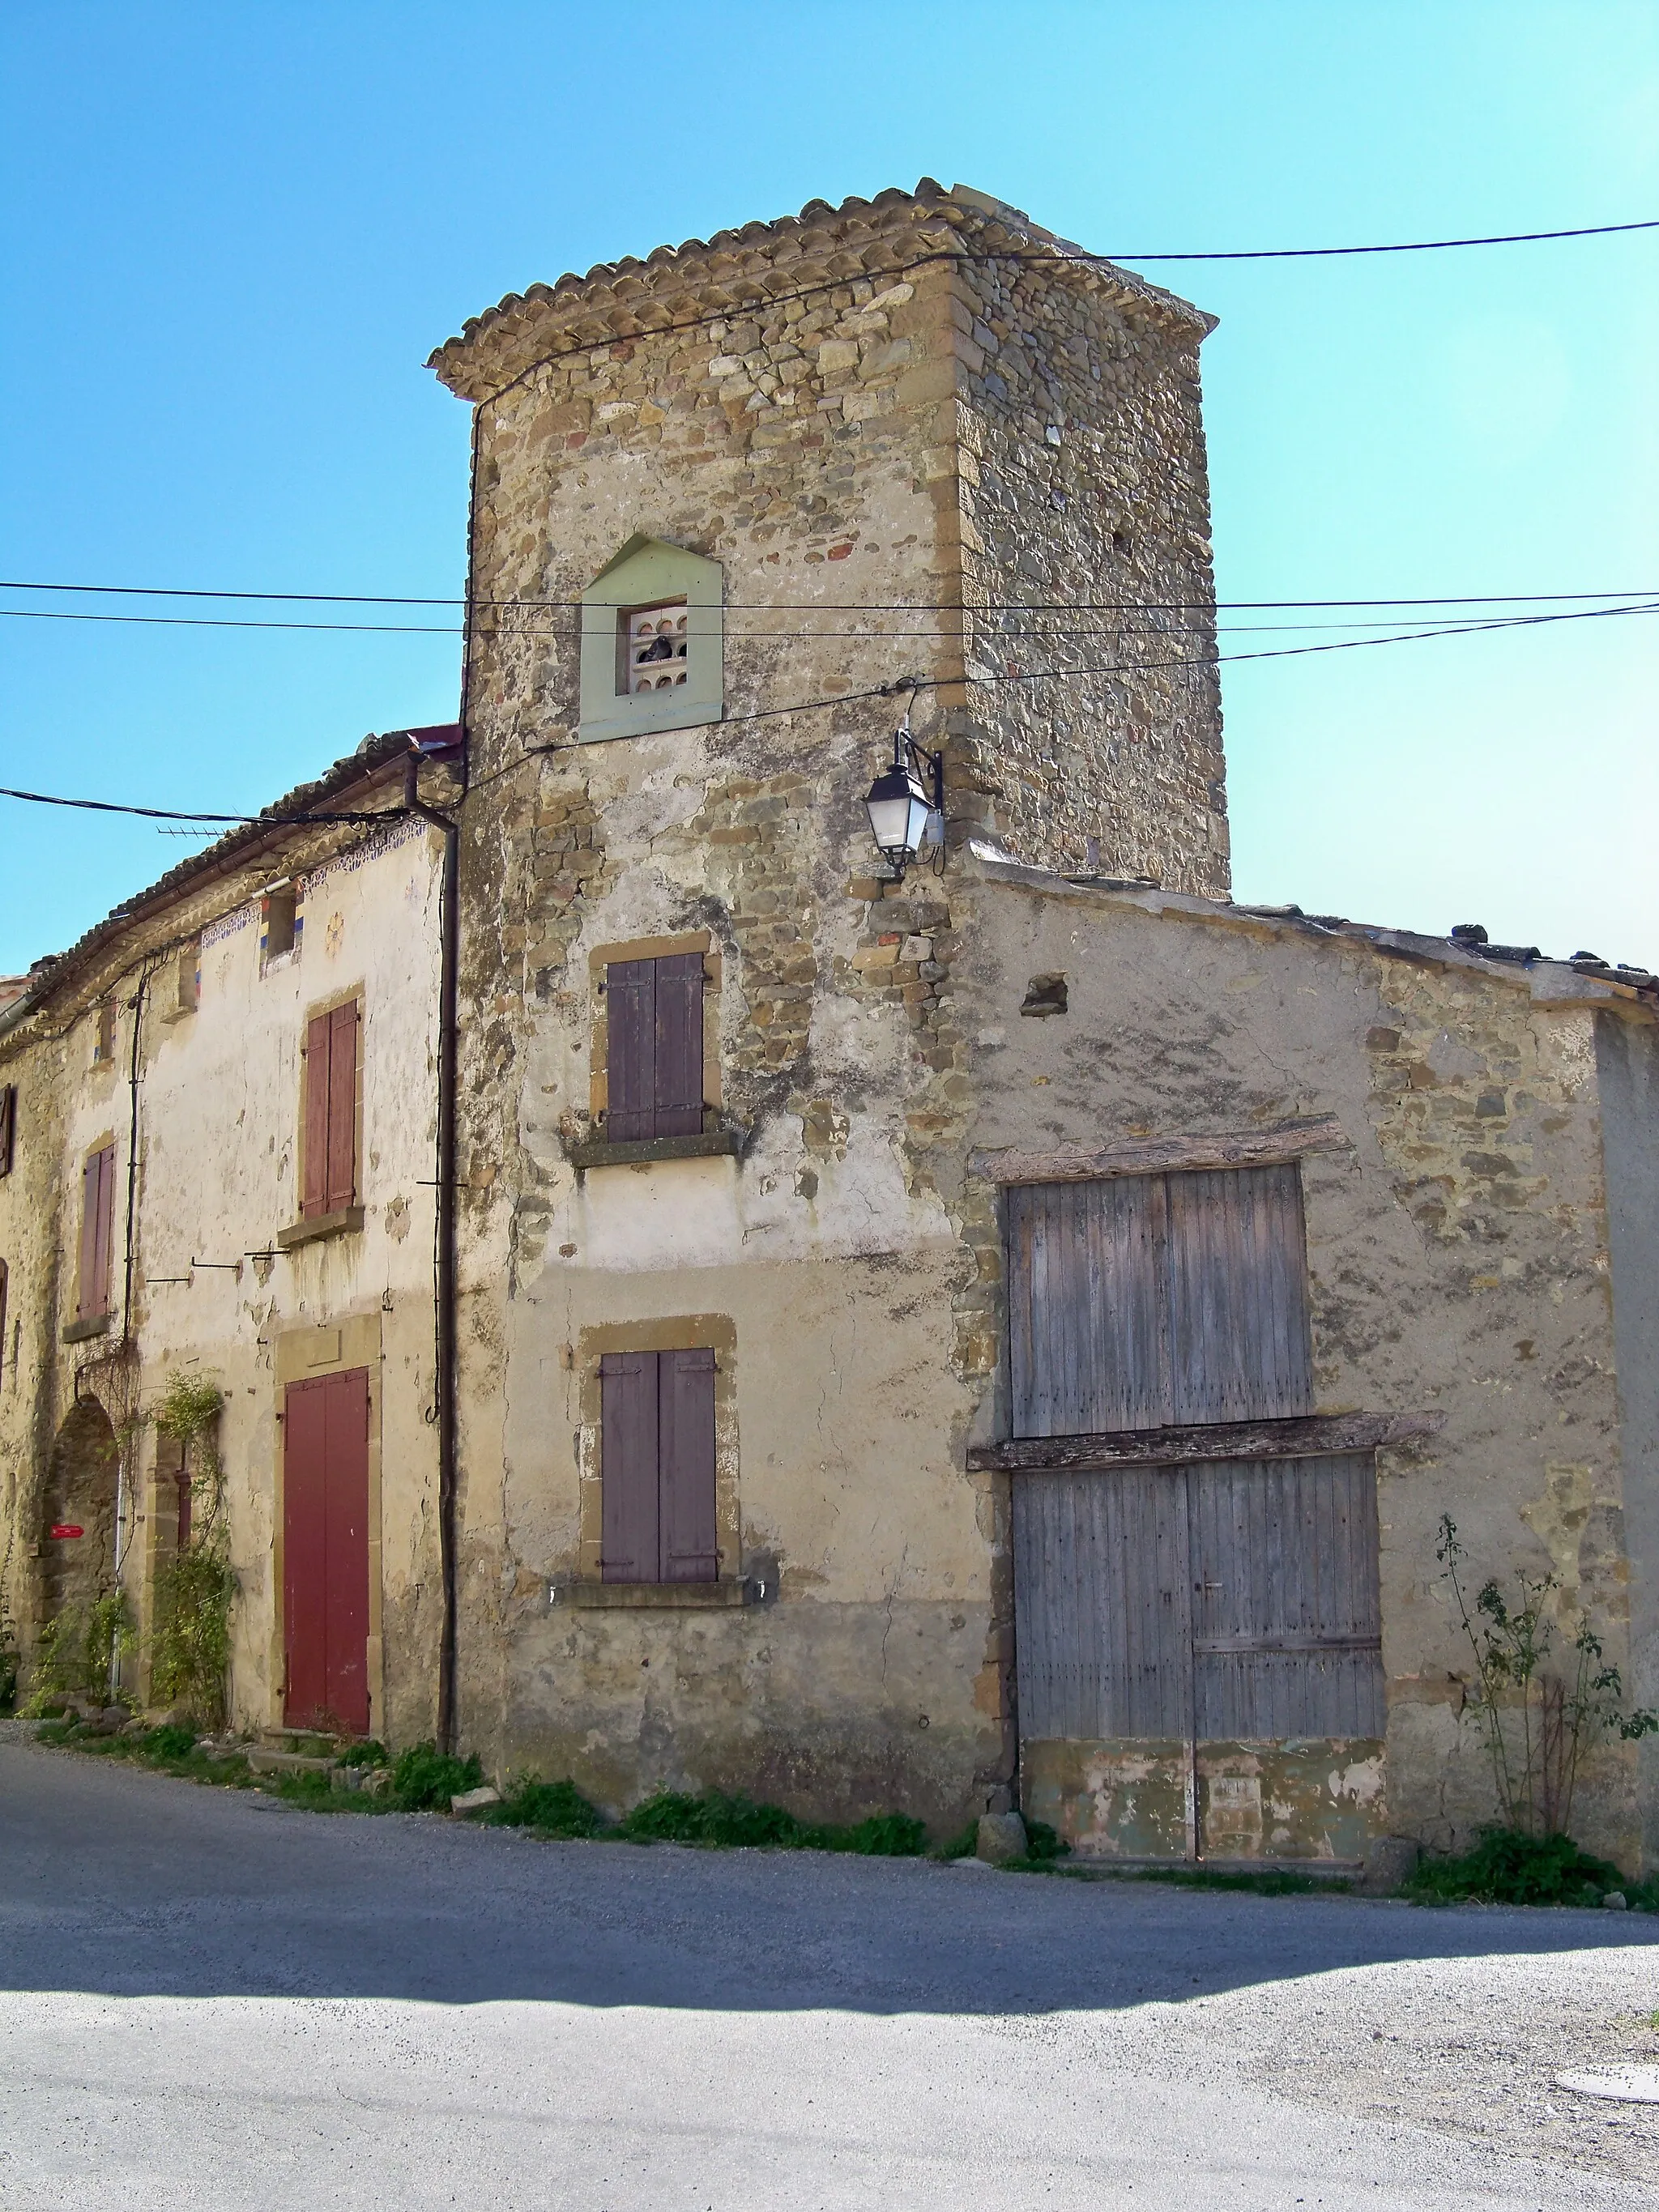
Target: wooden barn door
[(1179, 1628), (325, 1552)]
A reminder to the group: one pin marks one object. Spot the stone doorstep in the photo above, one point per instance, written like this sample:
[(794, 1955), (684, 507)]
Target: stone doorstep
[(262, 1760)]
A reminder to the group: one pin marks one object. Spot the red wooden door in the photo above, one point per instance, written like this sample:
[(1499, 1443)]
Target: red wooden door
[(325, 1551)]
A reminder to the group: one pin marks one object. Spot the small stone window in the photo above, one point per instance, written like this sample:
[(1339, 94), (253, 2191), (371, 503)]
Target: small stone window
[(652, 649), (653, 643), (281, 921)]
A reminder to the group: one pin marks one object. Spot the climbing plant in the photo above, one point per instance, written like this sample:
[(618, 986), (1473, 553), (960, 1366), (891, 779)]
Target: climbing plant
[(76, 1653), (190, 1649), (1539, 1723)]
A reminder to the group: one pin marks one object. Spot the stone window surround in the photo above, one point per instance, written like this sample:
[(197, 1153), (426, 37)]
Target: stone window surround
[(649, 572), (597, 1148), (686, 1333)]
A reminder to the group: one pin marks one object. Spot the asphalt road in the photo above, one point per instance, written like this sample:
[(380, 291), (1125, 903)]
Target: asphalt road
[(207, 1999)]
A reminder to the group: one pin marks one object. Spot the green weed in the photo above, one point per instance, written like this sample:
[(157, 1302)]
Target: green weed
[(425, 1778), (554, 1810), (368, 1752), (738, 1823), (1508, 1867)]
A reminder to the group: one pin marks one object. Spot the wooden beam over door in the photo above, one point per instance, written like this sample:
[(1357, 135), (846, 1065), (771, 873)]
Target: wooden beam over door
[(1298, 1439), (1242, 1148)]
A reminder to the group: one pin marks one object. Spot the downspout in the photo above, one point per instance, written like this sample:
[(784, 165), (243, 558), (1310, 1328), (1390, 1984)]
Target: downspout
[(445, 1361), (444, 1391), (123, 1488), (136, 1003)]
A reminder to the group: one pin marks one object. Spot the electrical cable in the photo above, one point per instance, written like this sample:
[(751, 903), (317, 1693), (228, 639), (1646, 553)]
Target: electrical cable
[(906, 684), (752, 636), (848, 606)]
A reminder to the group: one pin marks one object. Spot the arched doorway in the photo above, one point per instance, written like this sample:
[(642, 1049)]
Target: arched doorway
[(80, 1494)]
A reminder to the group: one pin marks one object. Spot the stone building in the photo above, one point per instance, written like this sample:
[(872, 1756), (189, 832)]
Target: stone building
[(1012, 1329), (1004, 1327), (219, 1109)]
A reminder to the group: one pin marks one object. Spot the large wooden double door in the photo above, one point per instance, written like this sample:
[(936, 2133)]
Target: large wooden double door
[(1199, 1650)]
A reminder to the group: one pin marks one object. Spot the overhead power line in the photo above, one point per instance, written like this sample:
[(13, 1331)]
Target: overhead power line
[(1413, 245), (909, 684), (786, 636), (838, 606)]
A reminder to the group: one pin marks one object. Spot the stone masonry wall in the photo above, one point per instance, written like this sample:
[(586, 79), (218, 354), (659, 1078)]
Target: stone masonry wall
[(1086, 548)]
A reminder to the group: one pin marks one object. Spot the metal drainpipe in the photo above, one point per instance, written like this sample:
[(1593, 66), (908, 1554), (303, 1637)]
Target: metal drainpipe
[(136, 1003), (124, 1488), (450, 941)]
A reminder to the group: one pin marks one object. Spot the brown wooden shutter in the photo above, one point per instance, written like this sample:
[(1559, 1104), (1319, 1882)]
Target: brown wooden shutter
[(106, 1226), (691, 1550), (1086, 1326), (1141, 1301), (631, 1019), (1238, 1299), (677, 1085), (87, 1265), (631, 1521), (314, 1198), (7, 1125), (341, 1185)]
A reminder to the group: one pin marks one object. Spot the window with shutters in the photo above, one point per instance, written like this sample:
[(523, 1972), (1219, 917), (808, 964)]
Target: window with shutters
[(328, 1139), (93, 1271), (8, 1125), (1146, 1302), (655, 1063), (657, 1467), (653, 1037)]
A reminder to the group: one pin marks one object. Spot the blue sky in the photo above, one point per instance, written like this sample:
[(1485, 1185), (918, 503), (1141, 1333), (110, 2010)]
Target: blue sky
[(234, 233)]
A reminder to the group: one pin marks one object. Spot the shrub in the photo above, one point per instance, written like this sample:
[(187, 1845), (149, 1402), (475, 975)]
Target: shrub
[(1508, 1867), (1538, 1726), (551, 1808), (884, 1836), (77, 1653), (190, 1655), (1043, 1843), (739, 1824), (368, 1752), (170, 1741), (425, 1778)]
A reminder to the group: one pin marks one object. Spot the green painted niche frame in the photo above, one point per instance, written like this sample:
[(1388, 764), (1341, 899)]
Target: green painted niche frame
[(647, 572)]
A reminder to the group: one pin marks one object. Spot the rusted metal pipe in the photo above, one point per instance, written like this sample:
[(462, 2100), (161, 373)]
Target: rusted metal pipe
[(444, 1326)]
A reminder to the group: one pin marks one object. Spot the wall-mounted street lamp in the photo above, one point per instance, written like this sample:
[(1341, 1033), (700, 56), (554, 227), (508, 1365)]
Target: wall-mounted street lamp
[(906, 802)]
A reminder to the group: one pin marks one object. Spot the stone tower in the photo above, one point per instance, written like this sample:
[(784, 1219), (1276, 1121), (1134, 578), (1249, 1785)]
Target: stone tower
[(920, 436), (736, 505)]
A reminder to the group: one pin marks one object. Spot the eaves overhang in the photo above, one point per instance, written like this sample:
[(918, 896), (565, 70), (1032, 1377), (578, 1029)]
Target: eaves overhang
[(349, 784)]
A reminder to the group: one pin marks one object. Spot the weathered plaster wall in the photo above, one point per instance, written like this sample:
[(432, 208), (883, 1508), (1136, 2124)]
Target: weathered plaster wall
[(220, 1103), (1627, 1068), (29, 1249), (1458, 1252)]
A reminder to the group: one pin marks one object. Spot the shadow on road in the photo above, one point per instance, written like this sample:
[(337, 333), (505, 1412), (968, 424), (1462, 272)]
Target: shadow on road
[(116, 1881)]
